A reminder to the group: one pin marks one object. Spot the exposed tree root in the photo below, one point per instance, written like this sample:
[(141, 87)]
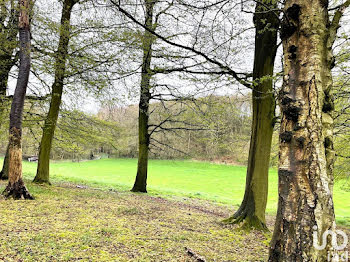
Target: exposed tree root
[(138, 190), (248, 222), (17, 191), (41, 181)]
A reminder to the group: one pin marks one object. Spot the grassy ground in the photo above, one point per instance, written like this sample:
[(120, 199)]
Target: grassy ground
[(103, 221), (66, 223), (220, 183)]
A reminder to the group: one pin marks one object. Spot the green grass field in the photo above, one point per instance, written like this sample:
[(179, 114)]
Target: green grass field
[(220, 183)]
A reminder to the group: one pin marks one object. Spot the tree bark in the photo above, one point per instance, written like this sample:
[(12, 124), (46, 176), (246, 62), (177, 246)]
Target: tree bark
[(16, 187), (140, 184), (306, 137), (252, 209), (43, 170)]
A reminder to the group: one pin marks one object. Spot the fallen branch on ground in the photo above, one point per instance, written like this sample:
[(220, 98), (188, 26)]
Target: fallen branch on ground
[(192, 254)]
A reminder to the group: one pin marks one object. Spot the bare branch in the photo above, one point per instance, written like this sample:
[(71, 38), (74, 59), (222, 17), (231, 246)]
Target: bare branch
[(336, 22), (224, 67)]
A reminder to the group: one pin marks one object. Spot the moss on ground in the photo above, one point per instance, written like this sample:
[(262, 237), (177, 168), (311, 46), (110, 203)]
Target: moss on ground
[(66, 223)]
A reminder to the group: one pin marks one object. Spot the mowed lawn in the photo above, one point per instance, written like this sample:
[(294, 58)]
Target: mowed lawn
[(220, 183)]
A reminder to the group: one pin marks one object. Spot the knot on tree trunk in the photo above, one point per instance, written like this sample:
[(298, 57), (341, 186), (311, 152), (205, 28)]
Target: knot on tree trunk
[(290, 21), (286, 137), (292, 50), (293, 12)]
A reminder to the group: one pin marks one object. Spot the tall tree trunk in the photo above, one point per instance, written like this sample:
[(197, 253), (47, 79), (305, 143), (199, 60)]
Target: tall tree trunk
[(43, 175), (252, 209), (8, 44), (16, 187), (306, 137), (145, 96)]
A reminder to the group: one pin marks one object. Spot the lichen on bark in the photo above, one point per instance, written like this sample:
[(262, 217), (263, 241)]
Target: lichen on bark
[(306, 159)]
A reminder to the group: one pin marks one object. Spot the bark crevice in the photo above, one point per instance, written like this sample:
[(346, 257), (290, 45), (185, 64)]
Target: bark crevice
[(305, 172)]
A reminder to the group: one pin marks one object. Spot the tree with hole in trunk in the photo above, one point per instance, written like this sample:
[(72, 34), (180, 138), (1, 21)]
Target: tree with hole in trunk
[(252, 209), (140, 184), (16, 187), (306, 137), (43, 175)]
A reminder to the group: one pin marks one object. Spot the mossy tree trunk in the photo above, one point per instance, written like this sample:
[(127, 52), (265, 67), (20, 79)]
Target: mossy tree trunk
[(140, 184), (252, 209), (16, 187), (306, 136), (43, 175)]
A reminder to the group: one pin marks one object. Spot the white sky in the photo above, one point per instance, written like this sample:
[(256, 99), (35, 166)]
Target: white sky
[(128, 94)]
